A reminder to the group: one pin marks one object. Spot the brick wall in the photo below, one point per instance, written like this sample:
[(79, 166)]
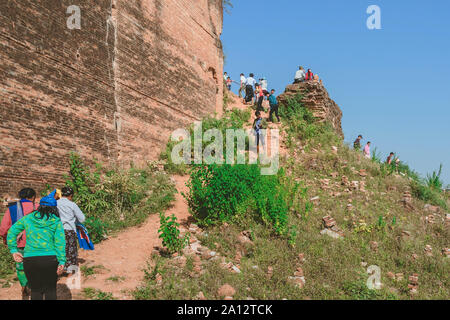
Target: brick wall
[(113, 90)]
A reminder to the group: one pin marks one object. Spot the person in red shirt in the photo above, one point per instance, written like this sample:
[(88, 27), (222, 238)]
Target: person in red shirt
[(260, 98), (15, 212), (309, 75), (390, 158)]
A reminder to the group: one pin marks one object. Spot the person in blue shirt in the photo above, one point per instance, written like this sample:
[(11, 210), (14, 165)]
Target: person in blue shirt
[(257, 126), (273, 105)]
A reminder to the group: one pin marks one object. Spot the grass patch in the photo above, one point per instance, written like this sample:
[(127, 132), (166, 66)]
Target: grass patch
[(7, 265), (95, 294), (90, 270), (115, 279)]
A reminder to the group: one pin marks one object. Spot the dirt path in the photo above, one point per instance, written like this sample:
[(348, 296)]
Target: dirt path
[(121, 258)]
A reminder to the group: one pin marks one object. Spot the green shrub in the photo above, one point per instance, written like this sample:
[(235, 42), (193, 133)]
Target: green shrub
[(233, 119), (170, 234), (7, 265), (217, 193), (115, 199), (427, 194), (98, 230)]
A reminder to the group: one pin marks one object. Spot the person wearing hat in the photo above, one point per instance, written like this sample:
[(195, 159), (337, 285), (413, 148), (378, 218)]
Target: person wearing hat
[(45, 250), (70, 214)]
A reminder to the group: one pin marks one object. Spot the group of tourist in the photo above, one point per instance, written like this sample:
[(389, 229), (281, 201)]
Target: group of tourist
[(42, 240), (255, 93), (302, 76), (366, 151)]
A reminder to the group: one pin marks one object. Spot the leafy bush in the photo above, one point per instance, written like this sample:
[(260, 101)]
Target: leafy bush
[(7, 265), (427, 194), (234, 119), (115, 199), (98, 230), (170, 234), (218, 193)]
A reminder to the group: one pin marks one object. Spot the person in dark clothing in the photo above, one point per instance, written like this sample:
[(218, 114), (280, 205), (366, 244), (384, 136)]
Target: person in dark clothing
[(257, 127), (260, 98), (390, 158), (273, 105), (250, 83), (357, 143)]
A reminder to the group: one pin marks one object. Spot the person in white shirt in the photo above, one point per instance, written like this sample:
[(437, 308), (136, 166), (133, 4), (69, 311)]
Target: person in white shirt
[(264, 84), (242, 87), (300, 75), (70, 214), (249, 88)]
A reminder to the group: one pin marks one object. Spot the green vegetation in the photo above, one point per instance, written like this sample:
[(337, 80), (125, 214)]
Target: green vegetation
[(223, 193), (429, 190), (7, 265), (170, 234), (224, 202), (232, 119), (115, 279), (116, 198), (90, 270), (95, 294), (433, 181)]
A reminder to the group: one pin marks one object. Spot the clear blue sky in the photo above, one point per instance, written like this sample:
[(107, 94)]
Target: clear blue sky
[(393, 84)]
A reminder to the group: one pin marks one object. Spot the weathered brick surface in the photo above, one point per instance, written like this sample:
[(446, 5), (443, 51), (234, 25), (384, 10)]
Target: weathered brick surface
[(315, 98), (113, 90)]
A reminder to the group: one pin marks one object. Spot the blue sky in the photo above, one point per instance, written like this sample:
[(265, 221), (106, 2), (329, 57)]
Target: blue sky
[(393, 84)]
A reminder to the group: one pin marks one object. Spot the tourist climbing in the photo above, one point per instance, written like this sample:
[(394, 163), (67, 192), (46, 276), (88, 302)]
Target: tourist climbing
[(44, 256), (242, 86), (257, 127), (249, 88), (70, 214), (264, 85), (229, 82), (259, 95), (357, 143), (366, 150), (273, 103), (15, 212), (390, 158)]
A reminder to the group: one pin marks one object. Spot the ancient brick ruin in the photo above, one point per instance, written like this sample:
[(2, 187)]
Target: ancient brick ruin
[(315, 98), (113, 90)]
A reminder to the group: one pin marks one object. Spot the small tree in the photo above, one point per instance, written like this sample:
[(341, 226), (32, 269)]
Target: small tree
[(170, 234)]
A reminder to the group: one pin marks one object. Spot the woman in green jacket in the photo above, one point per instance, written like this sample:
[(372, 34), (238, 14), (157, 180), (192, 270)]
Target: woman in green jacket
[(44, 255)]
